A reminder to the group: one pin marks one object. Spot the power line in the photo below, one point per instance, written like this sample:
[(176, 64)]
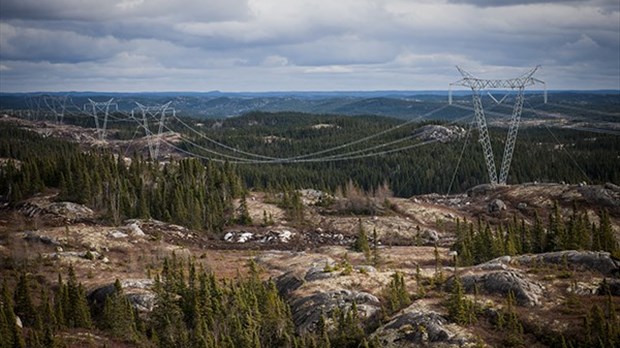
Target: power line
[(313, 154), (458, 163), (567, 153), (476, 85)]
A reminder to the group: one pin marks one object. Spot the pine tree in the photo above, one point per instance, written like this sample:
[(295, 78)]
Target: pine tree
[(608, 241), (77, 313), (361, 241), (24, 307), (397, 296), (539, 240), (118, 316), (457, 304), (376, 258), (243, 212)]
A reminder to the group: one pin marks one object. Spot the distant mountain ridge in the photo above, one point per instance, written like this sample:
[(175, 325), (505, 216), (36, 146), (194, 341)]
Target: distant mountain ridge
[(216, 104)]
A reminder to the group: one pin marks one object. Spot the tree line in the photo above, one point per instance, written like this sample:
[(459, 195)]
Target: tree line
[(188, 192), (540, 154), (479, 242), (192, 309)]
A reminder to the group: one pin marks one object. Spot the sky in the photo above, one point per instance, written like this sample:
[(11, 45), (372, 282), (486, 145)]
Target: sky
[(303, 45)]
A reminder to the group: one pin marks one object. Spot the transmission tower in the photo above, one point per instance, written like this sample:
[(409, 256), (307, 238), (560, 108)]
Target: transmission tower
[(154, 112), (100, 107), (34, 106), (477, 86), (57, 105)]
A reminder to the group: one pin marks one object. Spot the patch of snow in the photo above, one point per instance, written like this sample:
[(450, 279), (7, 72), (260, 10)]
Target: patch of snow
[(118, 234), (285, 236), (136, 231), (244, 237)]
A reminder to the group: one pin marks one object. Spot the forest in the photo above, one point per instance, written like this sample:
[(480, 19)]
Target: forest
[(196, 309)]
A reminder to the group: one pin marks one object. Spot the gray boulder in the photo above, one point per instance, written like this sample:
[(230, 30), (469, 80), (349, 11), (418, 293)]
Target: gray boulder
[(289, 282), (138, 291), (71, 211), (307, 310), (481, 190), (35, 236), (414, 327), (527, 292), (599, 261), (496, 205)]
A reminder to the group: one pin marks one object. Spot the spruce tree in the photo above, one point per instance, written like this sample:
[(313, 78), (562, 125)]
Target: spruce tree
[(77, 313), (361, 241), (457, 304), (24, 307)]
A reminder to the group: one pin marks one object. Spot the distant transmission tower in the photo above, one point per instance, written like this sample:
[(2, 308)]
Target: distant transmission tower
[(477, 86), (57, 105), (34, 106), (100, 107), (154, 111)]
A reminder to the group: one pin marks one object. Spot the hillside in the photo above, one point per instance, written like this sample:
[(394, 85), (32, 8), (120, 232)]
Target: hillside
[(206, 257)]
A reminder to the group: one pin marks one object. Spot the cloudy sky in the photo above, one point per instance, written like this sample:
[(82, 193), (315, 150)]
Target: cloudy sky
[(303, 45)]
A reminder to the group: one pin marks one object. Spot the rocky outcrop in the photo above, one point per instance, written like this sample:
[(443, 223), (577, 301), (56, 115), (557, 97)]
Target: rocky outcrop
[(71, 211), (527, 292), (440, 133), (598, 261), (606, 196), (35, 236), (289, 282), (307, 310), (496, 205), (68, 211), (138, 291), (415, 327), (481, 190), (268, 237)]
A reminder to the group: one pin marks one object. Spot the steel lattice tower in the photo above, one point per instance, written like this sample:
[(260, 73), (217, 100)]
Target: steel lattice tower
[(101, 107), (154, 111), (477, 85)]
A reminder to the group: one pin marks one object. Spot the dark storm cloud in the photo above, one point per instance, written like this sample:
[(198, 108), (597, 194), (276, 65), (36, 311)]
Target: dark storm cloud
[(89, 10), (491, 3), (301, 44)]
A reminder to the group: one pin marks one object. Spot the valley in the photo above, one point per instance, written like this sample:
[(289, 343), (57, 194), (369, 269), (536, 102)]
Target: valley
[(407, 249)]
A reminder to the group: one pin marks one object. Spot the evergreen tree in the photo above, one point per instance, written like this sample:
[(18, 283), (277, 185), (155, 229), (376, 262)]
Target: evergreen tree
[(24, 307), (361, 241), (76, 311), (243, 212), (376, 258), (457, 304), (397, 296), (117, 315)]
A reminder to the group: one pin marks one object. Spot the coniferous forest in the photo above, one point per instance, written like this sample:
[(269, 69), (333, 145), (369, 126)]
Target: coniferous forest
[(195, 308)]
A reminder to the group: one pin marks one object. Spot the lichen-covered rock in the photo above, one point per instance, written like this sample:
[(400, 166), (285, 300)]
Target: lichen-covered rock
[(138, 291), (527, 292), (606, 195), (289, 282), (415, 327), (429, 236), (440, 133), (599, 261), (307, 310), (35, 236), (320, 272), (496, 205), (481, 190), (71, 211)]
